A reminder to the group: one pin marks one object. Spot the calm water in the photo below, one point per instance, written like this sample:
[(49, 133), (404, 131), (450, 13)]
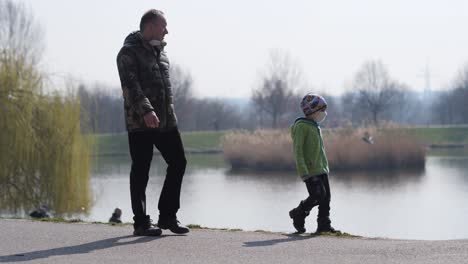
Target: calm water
[(429, 204)]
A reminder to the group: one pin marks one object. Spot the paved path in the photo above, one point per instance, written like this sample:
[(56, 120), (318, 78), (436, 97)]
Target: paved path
[(45, 242)]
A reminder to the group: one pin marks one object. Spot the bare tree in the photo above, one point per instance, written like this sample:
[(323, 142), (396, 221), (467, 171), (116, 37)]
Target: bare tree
[(451, 106), (277, 87), (446, 111), (461, 95), (182, 92), (273, 98), (21, 44), (21, 37), (377, 92), (182, 85), (101, 109), (462, 80)]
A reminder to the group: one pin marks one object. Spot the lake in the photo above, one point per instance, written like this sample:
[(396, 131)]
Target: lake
[(428, 204)]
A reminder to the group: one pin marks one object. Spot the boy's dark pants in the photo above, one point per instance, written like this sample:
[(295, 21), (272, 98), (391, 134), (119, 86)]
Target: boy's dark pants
[(171, 148), (314, 199)]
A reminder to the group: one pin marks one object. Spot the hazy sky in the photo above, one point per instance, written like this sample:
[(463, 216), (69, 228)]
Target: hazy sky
[(225, 44)]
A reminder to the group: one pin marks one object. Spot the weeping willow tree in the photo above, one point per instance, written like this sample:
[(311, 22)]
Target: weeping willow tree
[(44, 158)]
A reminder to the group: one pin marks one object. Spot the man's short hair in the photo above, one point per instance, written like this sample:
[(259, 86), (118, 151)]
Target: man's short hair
[(149, 16)]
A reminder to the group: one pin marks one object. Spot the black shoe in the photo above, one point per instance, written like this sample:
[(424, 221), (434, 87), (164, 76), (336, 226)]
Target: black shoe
[(324, 225), (143, 231), (144, 227), (325, 229), (173, 225), (298, 216)]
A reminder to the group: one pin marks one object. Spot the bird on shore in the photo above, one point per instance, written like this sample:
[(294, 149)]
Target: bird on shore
[(41, 212), (368, 138), (115, 218)]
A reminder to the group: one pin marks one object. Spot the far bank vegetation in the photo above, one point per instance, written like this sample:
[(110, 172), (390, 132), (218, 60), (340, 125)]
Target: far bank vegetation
[(346, 149)]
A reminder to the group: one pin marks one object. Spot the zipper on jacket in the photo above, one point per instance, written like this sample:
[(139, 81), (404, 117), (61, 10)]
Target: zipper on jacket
[(322, 150), (157, 54)]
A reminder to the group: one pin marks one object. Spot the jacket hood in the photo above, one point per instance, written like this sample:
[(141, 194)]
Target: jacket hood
[(305, 120), (298, 120), (133, 39)]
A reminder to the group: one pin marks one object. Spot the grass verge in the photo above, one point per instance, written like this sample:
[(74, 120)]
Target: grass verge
[(191, 226), (117, 144)]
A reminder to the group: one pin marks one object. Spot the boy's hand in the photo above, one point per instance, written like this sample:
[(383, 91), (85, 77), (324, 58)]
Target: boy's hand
[(317, 188)]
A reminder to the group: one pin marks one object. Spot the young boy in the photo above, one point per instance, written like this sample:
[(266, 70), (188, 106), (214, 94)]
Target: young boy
[(311, 164)]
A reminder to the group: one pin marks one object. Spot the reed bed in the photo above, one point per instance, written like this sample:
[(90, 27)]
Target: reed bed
[(345, 148), (262, 149)]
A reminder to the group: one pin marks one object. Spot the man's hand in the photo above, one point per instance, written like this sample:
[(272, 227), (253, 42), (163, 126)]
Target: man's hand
[(151, 119)]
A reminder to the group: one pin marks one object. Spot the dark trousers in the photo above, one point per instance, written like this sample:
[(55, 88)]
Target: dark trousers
[(170, 146), (313, 200)]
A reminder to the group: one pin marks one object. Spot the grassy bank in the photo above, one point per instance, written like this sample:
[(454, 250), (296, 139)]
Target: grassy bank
[(449, 135), (117, 144)]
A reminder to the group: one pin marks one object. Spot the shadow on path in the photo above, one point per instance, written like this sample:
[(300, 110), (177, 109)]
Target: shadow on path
[(272, 242), (77, 249)]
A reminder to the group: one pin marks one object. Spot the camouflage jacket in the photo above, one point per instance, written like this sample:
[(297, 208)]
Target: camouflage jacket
[(146, 87)]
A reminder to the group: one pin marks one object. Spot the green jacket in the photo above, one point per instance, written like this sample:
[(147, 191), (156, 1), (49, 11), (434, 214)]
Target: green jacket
[(309, 151)]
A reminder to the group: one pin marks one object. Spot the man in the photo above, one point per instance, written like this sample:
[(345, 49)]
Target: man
[(150, 119)]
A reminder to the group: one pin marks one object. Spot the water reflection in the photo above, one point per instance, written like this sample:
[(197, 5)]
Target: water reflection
[(260, 178), (381, 179), (103, 166)]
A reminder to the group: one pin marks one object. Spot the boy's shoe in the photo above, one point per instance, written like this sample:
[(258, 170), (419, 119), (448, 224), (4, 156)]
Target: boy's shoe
[(173, 225), (325, 229), (298, 216), (324, 225)]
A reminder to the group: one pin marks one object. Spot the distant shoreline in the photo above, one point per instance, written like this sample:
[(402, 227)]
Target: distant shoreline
[(446, 146), (210, 142), (220, 151), (187, 151)]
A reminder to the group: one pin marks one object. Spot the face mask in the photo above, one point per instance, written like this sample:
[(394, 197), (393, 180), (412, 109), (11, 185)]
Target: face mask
[(320, 116)]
